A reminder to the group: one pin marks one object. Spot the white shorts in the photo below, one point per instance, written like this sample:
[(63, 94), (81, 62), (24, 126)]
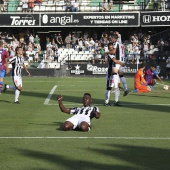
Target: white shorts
[(77, 119), (17, 81), (112, 81), (120, 68)]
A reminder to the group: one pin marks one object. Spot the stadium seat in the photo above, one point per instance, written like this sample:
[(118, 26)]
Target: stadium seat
[(125, 7), (60, 9), (42, 8), (36, 8), (54, 65), (19, 9)]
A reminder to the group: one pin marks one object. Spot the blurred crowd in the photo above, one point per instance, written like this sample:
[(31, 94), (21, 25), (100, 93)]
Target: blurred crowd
[(136, 47)]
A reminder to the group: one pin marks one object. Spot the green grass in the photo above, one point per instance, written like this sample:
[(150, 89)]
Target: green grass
[(133, 137)]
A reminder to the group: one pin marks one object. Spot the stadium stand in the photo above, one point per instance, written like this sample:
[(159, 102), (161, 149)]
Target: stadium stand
[(84, 5)]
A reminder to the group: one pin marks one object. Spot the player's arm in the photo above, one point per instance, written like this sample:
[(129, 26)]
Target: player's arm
[(159, 79), (25, 68), (97, 115), (118, 62), (143, 81), (62, 107)]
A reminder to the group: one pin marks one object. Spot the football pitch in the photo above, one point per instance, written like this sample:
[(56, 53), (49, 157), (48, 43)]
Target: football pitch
[(133, 137)]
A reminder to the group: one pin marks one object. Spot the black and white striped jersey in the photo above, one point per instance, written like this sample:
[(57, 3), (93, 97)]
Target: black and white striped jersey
[(111, 64), (120, 54), (17, 65), (88, 111)]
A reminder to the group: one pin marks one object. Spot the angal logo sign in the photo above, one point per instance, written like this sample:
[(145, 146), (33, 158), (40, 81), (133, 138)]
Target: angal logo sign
[(58, 19), (27, 20)]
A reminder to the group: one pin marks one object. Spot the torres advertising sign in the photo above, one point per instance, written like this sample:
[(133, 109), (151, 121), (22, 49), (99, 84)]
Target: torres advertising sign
[(155, 19), (90, 19), (19, 20)]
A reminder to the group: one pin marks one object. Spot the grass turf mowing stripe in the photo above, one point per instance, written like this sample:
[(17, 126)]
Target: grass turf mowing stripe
[(50, 95)]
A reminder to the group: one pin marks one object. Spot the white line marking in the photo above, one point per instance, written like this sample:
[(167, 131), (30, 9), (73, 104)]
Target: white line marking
[(122, 104), (49, 96), (118, 137)]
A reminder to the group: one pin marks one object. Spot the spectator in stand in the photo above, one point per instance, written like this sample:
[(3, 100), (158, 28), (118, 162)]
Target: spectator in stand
[(163, 5), (155, 5), (38, 2), (105, 6), (68, 41), (75, 6), (136, 55), (91, 43), (37, 43), (36, 57), (31, 5), (24, 5), (59, 40), (161, 44), (31, 38), (1, 5), (68, 6), (11, 52), (47, 41), (104, 38), (87, 44), (168, 3), (54, 46), (80, 43), (73, 41), (30, 47), (56, 56)]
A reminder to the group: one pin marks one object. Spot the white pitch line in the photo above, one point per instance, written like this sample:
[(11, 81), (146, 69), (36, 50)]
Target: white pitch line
[(122, 104), (49, 96), (117, 138)]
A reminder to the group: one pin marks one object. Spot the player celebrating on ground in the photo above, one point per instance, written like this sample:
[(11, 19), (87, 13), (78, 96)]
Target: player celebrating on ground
[(112, 78), (3, 65), (120, 55), (17, 65), (82, 115)]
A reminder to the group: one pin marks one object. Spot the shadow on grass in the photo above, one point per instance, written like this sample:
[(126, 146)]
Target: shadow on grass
[(146, 157), (78, 100), (5, 101), (68, 162), (137, 156)]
